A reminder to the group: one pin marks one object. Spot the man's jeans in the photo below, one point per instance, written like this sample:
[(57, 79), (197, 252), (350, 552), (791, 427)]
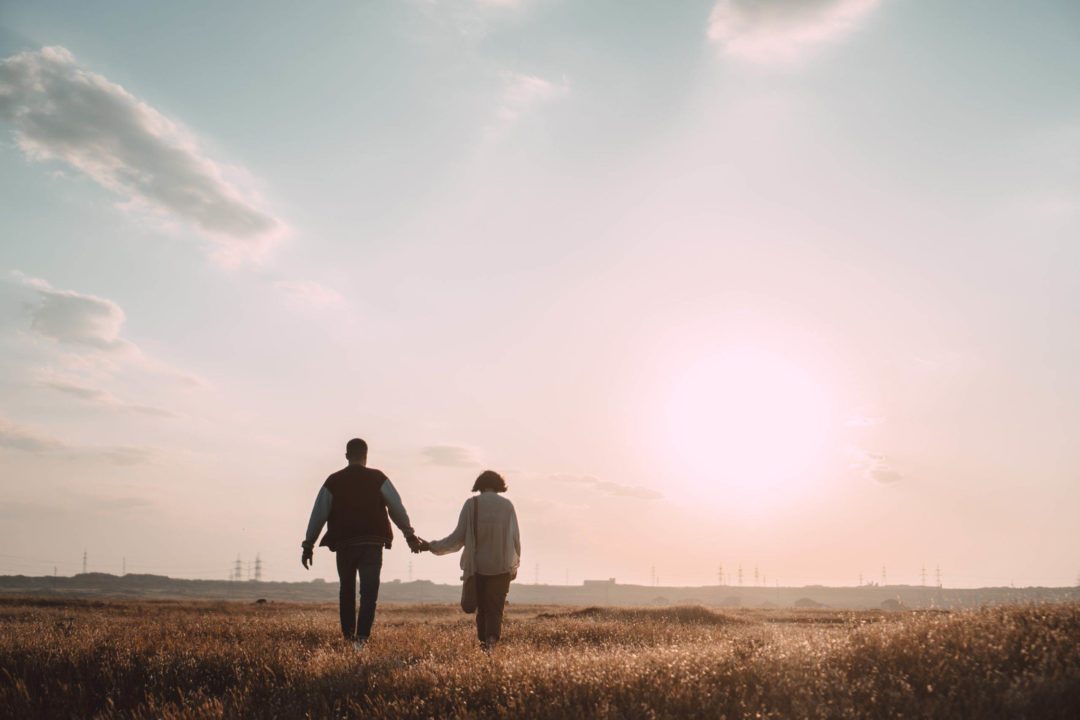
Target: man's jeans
[(490, 598), (367, 561)]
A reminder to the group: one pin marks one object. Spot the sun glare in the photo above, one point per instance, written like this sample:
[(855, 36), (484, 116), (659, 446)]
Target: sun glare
[(748, 425)]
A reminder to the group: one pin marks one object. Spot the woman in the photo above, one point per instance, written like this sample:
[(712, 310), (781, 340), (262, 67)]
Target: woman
[(493, 556)]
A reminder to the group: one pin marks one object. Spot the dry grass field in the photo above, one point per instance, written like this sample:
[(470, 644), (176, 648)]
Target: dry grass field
[(63, 659)]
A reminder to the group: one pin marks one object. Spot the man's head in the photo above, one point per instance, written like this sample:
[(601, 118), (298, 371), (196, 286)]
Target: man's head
[(356, 452)]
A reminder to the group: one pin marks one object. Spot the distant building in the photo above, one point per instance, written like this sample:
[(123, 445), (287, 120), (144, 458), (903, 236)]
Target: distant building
[(600, 583)]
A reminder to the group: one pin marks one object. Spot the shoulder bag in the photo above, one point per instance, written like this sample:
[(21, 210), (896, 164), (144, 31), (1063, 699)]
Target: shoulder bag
[(468, 589)]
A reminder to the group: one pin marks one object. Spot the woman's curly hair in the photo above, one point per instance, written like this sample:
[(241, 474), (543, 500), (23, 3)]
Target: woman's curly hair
[(489, 480)]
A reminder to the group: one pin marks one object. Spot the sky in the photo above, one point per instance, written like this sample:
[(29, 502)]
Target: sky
[(784, 285)]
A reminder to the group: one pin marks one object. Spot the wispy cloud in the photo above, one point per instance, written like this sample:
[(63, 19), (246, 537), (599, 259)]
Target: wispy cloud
[(90, 328), (62, 112), (450, 456), (772, 31), (18, 437), (524, 92), (471, 19), (309, 294), (105, 398), (863, 420), (608, 487), (75, 319), (872, 466)]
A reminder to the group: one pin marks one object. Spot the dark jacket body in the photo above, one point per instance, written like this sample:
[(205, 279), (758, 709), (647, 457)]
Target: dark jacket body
[(358, 511)]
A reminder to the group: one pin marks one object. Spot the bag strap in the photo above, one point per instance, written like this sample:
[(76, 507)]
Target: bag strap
[(475, 516)]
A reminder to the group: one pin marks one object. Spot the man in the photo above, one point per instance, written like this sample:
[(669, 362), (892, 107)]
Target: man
[(354, 503)]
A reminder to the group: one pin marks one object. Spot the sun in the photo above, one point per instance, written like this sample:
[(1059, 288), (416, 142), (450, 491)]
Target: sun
[(747, 425)]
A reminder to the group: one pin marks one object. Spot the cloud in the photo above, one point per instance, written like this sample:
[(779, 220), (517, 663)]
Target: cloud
[(473, 20), (608, 487), (117, 455), (70, 505), (777, 31), (18, 437), (105, 399), (75, 319), (525, 92), (63, 112), (92, 327), (310, 294), (862, 420), (449, 456), (874, 467), (521, 95), (885, 475)]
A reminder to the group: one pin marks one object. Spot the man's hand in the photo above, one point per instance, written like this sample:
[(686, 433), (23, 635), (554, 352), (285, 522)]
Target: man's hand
[(307, 558), (415, 543)]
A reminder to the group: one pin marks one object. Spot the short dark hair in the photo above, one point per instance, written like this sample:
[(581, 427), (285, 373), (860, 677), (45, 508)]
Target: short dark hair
[(356, 448), (489, 480)]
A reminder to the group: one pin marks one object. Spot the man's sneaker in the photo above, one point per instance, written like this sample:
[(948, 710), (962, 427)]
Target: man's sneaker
[(359, 644)]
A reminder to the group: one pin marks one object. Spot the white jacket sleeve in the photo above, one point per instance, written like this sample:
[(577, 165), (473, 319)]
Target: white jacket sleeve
[(395, 507), (320, 513), (455, 540), (517, 535)]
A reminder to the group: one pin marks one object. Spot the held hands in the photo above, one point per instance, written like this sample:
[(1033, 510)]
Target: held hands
[(308, 558), (417, 545)]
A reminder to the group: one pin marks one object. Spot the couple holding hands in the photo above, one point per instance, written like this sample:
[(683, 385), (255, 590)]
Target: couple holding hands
[(357, 504)]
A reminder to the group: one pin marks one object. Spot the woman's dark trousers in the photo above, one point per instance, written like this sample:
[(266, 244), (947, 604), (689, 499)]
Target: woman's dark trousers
[(365, 560), (490, 599)]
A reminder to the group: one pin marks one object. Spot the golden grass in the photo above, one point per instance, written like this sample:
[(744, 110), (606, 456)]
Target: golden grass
[(175, 660)]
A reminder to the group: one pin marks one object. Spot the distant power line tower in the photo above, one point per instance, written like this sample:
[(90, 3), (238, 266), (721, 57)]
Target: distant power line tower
[(84, 562), (756, 576), (884, 576), (740, 574), (937, 575), (238, 569), (860, 578), (720, 575), (258, 568), (922, 576)]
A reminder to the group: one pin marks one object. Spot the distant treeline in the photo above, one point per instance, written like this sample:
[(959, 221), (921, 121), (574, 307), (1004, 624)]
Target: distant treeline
[(890, 597)]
